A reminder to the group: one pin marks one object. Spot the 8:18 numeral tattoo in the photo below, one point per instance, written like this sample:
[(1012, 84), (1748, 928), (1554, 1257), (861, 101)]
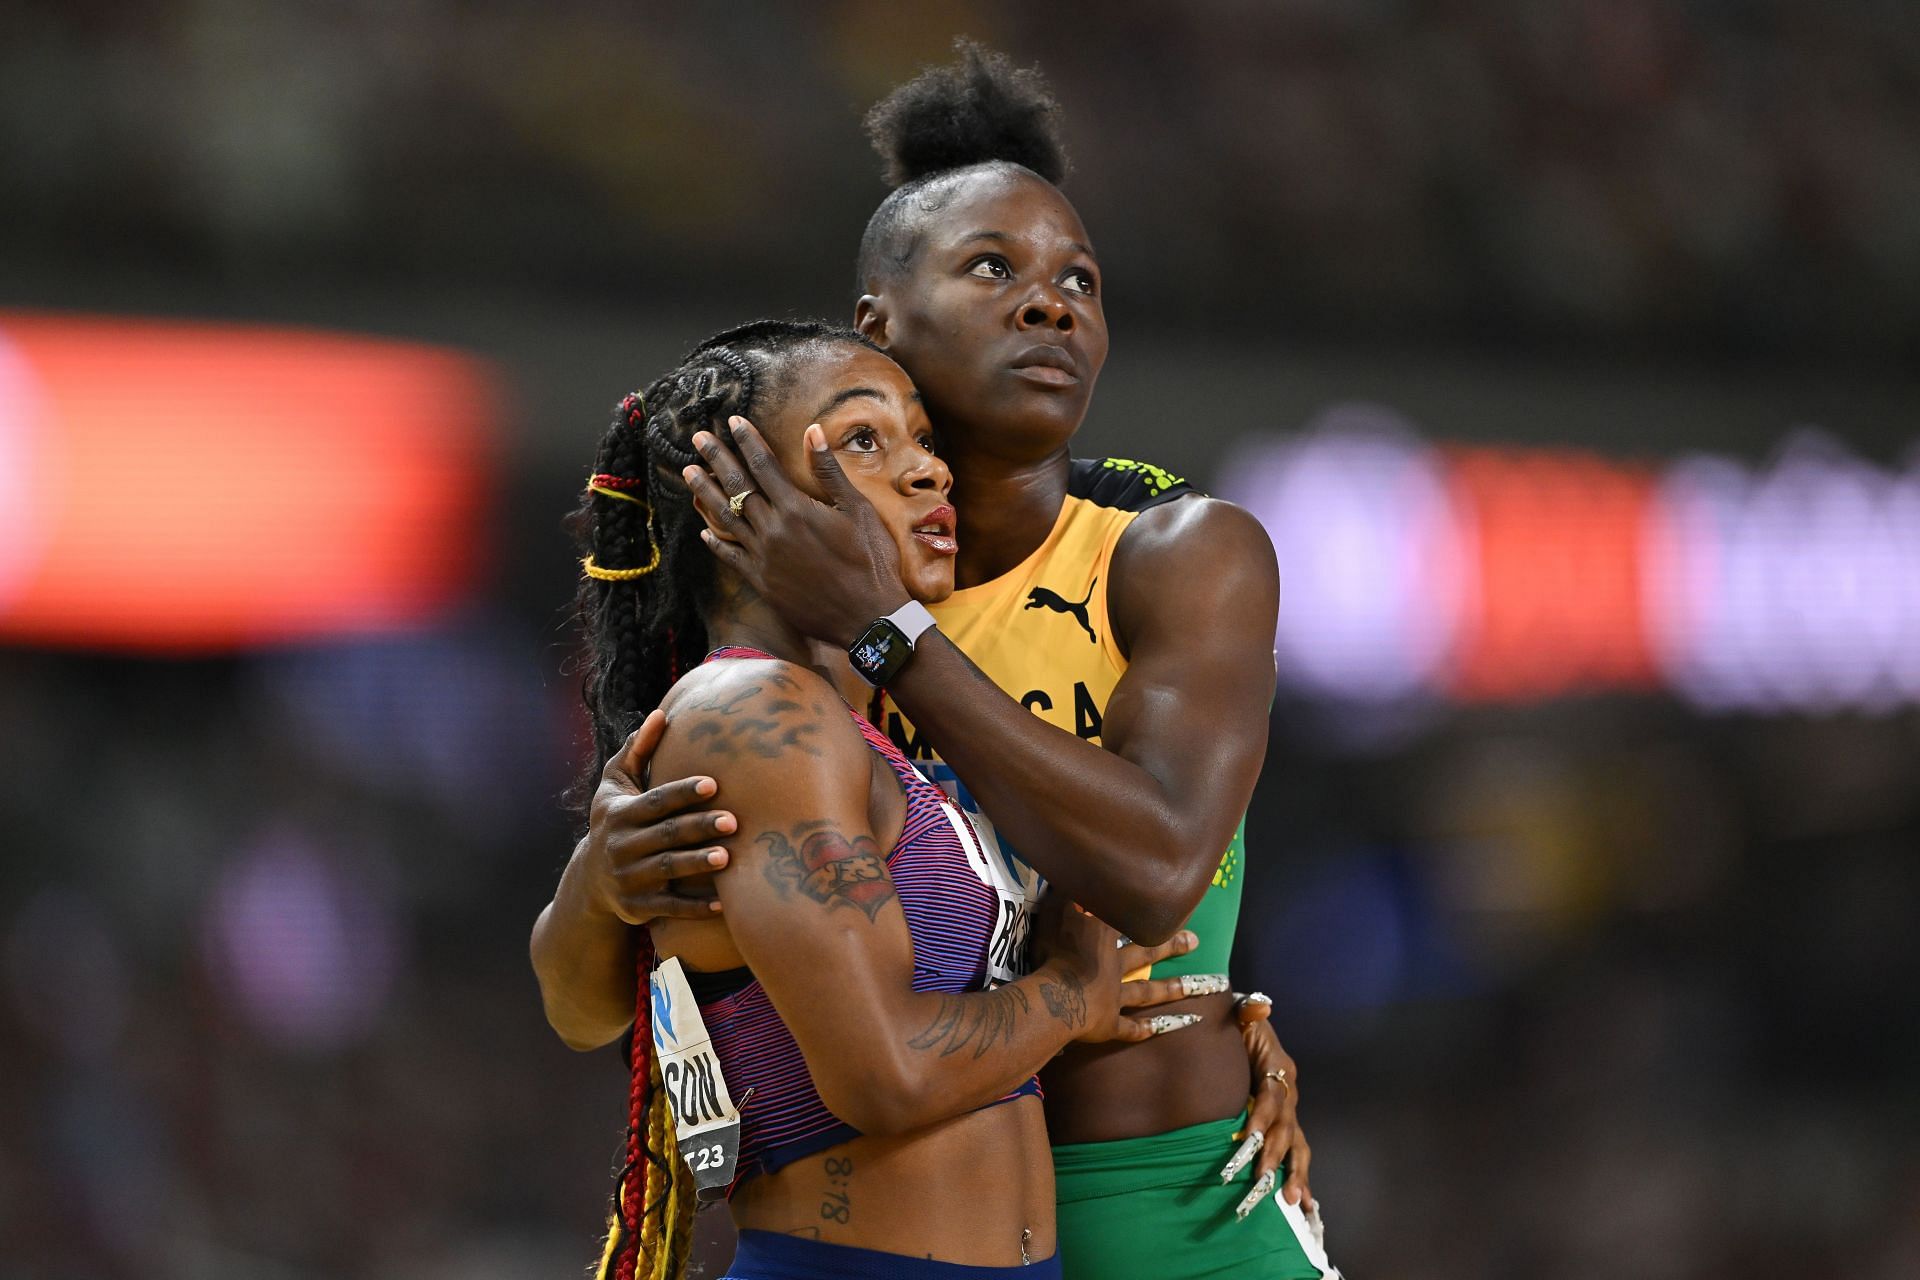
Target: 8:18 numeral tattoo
[(837, 1206)]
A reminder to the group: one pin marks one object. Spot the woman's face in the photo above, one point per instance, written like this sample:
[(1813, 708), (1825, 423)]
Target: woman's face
[(878, 431), (998, 316)]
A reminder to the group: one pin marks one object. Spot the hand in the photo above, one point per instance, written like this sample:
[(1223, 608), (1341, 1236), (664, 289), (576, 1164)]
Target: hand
[(827, 568), (1274, 1105), (640, 845), (1144, 993), (1083, 954)]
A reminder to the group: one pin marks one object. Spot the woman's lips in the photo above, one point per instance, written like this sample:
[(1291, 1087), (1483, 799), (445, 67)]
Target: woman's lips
[(945, 544), (936, 531), (1048, 365)]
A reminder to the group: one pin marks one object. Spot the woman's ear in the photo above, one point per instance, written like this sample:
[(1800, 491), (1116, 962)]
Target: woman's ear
[(870, 319)]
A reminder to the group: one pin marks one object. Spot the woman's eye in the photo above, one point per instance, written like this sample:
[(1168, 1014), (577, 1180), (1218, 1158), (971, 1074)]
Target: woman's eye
[(860, 440), (989, 269), (926, 442), (1081, 282)]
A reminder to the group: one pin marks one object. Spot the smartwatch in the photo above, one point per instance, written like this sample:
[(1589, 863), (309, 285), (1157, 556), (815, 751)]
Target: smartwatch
[(884, 647)]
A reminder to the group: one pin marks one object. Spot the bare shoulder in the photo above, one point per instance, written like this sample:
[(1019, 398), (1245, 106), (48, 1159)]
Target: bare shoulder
[(1196, 547), (751, 714)]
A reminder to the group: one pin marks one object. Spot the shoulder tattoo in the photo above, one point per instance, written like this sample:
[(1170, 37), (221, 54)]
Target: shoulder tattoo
[(829, 868)]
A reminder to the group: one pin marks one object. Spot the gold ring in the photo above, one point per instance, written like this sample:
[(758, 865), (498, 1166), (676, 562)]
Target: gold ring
[(739, 500), (1281, 1076)]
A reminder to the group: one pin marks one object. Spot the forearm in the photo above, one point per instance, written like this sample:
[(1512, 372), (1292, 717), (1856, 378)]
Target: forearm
[(1100, 827), (583, 956), (945, 1054)]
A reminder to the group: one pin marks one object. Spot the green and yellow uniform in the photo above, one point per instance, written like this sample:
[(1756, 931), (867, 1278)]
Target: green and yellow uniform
[(1041, 632)]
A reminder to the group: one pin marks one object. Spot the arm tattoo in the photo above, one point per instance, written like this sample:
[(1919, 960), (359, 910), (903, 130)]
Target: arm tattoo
[(982, 1019), (1066, 1000), (744, 722), (830, 869)]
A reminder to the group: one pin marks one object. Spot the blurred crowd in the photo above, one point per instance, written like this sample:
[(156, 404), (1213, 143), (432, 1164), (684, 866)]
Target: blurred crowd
[(1606, 985), (1587, 989), (1694, 176)]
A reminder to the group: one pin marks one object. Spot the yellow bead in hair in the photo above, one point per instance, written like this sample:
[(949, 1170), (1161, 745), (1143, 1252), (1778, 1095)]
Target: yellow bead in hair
[(622, 575), (605, 492)]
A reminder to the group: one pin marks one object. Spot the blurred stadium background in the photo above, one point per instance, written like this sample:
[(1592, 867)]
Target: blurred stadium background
[(1567, 349)]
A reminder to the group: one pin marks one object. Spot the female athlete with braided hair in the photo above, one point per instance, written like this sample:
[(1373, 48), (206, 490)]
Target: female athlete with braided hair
[(1129, 621), (877, 1084)]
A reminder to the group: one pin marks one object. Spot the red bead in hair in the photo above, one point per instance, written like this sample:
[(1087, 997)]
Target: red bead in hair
[(606, 481)]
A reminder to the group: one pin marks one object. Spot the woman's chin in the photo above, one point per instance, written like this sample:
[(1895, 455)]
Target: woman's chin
[(933, 584)]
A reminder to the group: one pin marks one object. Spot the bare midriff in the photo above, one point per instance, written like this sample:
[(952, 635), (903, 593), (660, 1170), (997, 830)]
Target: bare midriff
[(1104, 1092), (976, 1190)]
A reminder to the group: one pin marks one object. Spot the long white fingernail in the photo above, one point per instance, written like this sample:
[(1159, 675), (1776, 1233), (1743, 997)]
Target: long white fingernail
[(1161, 1023), (1261, 1190), (1204, 984), (1248, 1149), (1122, 942)]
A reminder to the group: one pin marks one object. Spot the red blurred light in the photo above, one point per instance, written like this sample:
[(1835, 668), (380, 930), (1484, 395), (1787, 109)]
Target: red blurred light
[(198, 487), (1554, 562)]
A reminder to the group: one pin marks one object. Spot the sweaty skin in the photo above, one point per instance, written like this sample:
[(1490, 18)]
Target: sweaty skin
[(997, 316)]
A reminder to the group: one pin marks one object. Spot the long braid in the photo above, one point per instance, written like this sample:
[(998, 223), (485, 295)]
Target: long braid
[(642, 606)]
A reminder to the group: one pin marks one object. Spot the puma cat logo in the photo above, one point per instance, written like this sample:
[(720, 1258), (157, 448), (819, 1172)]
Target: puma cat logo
[(1041, 598)]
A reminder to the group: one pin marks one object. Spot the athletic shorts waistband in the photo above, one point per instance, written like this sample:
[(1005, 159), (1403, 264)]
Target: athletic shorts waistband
[(1085, 1169), (766, 1255)]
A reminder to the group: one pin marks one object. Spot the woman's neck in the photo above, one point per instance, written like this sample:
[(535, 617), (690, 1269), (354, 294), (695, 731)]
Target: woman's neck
[(1007, 509), (739, 617)]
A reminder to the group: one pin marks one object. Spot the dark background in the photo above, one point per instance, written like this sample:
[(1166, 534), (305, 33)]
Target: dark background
[(1608, 983)]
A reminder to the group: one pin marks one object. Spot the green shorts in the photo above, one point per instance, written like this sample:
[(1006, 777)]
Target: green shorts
[(1153, 1209)]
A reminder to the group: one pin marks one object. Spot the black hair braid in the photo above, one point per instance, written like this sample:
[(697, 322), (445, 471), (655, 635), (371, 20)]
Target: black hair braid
[(979, 109), (644, 632)]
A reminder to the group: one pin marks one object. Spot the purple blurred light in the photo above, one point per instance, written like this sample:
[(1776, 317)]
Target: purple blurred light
[(21, 532), (1358, 511), (303, 951), (1796, 588)]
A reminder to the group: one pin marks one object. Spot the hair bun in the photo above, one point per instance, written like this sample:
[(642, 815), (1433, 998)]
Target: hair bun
[(976, 109)]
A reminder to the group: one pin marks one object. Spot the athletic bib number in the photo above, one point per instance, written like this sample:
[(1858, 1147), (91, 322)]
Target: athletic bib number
[(706, 1124), (1017, 894)]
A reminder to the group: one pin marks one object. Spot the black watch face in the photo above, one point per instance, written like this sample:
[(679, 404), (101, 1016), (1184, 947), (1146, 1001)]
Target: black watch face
[(879, 652)]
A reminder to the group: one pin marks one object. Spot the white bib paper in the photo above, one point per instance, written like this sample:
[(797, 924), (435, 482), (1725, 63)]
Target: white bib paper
[(706, 1123)]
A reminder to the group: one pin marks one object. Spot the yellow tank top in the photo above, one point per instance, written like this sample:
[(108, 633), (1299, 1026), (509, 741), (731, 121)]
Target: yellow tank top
[(1040, 631)]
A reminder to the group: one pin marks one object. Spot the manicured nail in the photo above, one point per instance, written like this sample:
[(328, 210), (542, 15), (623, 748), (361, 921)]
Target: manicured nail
[(703, 440), (1204, 984), (1247, 1151), (816, 436), (1261, 1190), (1122, 942), (725, 824), (1189, 938), (1161, 1023), (714, 905), (689, 474), (705, 787), (716, 857)]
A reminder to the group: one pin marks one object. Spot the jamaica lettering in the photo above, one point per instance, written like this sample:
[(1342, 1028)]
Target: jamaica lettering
[(1086, 720)]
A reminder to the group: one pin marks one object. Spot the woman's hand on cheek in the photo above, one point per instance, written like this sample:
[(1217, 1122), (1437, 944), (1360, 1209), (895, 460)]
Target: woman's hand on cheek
[(828, 570)]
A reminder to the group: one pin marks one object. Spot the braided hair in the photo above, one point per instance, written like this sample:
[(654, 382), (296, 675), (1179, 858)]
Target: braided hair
[(642, 606), (978, 110)]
